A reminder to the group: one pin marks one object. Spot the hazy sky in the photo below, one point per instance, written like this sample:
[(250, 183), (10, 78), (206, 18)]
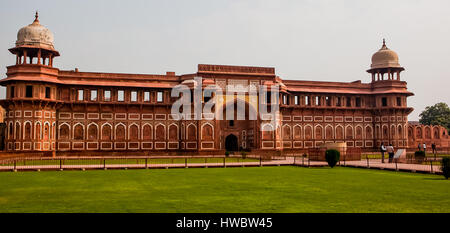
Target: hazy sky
[(302, 39)]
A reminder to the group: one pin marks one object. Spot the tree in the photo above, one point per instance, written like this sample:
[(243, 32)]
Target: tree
[(438, 114)]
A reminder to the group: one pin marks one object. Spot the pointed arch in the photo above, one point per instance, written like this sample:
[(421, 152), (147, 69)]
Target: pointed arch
[(172, 132), (191, 132), (17, 131), (267, 131), (297, 132), (418, 132), (359, 132), (37, 130), (120, 132), (318, 132), (286, 132), (133, 132), (436, 134), (46, 133), (106, 131), (64, 131), (53, 131), (160, 132), (385, 133), (308, 132), (147, 131), (393, 132), (27, 134), (349, 132), (369, 132), (207, 131), (400, 132), (410, 132), (78, 131), (378, 132), (92, 131), (427, 132), (329, 132), (339, 132)]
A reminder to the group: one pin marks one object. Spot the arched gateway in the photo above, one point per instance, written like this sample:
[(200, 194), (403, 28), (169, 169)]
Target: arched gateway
[(237, 133), (231, 143)]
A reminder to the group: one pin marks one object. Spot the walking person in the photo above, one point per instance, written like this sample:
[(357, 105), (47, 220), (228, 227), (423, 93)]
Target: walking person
[(382, 150), (418, 147), (424, 148), (390, 150), (433, 148)]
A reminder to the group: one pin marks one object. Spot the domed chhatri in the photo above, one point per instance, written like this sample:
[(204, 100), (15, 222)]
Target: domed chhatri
[(385, 61), (385, 58), (34, 45), (35, 35)]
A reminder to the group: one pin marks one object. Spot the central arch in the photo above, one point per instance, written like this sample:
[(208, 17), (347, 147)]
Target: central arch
[(231, 143), (243, 127)]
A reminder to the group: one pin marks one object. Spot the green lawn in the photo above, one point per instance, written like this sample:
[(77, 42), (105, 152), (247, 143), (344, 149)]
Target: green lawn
[(251, 189)]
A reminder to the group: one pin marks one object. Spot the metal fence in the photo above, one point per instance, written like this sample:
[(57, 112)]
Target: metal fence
[(125, 162), (426, 165)]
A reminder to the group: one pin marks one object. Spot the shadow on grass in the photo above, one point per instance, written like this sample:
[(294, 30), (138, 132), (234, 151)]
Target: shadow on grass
[(436, 178)]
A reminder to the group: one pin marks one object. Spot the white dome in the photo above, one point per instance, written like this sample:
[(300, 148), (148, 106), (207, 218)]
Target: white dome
[(385, 58), (35, 35)]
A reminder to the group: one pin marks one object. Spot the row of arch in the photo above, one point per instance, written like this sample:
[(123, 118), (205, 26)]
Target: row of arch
[(347, 132), (28, 131), (79, 131), (424, 132), (134, 131)]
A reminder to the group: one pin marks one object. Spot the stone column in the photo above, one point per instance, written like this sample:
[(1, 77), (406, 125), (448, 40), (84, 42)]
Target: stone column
[(39, 57)]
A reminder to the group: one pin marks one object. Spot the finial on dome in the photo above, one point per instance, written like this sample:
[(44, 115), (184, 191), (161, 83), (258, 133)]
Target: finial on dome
[(36, 17), (384, 44)]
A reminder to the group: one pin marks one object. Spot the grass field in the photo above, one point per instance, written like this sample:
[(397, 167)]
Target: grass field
[(257, 189)]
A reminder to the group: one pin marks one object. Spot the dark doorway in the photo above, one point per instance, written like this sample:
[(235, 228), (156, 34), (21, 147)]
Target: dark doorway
[(231, 143)]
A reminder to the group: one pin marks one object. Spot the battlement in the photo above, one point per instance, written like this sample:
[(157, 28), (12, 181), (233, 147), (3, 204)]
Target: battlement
[(227, 69)]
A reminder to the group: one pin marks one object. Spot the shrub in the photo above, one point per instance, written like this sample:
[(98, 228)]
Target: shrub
[(244, 154), (332, 156), (445, 167), (419, 156), (227, 153)]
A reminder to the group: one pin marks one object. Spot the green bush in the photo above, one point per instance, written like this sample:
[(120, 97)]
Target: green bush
[(227, 153), (419, 153), (332, 156), (419, 156), (244, 154), (445, 167)]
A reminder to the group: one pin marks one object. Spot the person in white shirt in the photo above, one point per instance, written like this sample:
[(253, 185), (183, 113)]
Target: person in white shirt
[(390, 150), (424, 148)]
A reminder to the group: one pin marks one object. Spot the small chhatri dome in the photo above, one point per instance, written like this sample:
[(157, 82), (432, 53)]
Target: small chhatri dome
[(385, 58), (35, 35)]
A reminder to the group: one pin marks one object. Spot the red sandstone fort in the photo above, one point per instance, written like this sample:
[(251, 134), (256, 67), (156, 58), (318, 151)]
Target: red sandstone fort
[(71, 112)]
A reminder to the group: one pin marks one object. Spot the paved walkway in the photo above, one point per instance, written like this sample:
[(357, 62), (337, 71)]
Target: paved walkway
[(299, 161), (376, 163)]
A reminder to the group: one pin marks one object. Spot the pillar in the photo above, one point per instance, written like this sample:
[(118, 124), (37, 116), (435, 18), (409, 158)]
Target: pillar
[(24, 57), (39, 57), (50, 60)]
